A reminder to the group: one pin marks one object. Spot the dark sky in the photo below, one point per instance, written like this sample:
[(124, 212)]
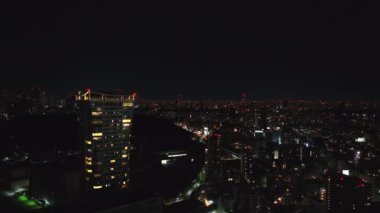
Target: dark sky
[(293, 49)]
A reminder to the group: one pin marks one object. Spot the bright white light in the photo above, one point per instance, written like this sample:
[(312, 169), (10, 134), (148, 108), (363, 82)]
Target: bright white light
[(259, 132), (346, 172), (208, 202), (177, 155), (276, 154), (360, 140), (206, 131), (164, 162), (13, 192)]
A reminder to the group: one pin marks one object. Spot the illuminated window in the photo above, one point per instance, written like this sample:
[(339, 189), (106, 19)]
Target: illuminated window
[(97, 138), (88, 158), (96, 113), (126, 124), (88, 170), (127, 104), (88, 142), (127, 120), (126, 148), (112, 169), (126, 175), (124, 156), (112, 161), (97, 175), (89, 163), (112, 177), (124, 185), (97, 187), (97, 122), (97, 134)]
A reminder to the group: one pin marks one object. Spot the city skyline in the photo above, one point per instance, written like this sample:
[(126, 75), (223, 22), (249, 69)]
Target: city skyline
[(181, 107)]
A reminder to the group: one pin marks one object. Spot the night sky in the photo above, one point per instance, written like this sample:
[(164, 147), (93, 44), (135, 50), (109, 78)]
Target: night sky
[(288, 50)]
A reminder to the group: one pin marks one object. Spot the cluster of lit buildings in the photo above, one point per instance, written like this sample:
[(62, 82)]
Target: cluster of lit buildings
[(287, 151), (260, 156)]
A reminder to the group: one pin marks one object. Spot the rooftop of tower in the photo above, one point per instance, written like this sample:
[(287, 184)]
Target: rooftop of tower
[(110, 96)]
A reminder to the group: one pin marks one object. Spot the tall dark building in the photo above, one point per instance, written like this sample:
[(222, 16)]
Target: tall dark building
[(248, 155), (106, 122), (276, 135), (213, 158)]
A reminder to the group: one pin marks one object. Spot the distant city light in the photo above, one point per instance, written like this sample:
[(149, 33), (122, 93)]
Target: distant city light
[(276, 154), (360, 140), (346, 172), (206, 131), (177, 155), (165, 162)]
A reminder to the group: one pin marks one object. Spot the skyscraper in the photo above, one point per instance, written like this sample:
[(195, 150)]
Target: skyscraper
[(106, 122), (247, 162)]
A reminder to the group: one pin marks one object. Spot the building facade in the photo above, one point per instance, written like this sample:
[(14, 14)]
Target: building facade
[(106, 121)]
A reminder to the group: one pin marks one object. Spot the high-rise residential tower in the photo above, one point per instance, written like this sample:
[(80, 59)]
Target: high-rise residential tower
[(106, 123)]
